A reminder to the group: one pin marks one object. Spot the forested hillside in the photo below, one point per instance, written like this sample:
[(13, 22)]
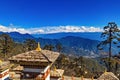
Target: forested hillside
[(70, 45), (76, 54)]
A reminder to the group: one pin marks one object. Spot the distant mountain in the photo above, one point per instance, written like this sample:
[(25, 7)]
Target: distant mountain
[(88, 35), (71, 45), (1, 32), (18, 37), (74, 45)]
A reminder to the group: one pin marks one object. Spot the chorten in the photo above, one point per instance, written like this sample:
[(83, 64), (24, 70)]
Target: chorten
[(36, 63)]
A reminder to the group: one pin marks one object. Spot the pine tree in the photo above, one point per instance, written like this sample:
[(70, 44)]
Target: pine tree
[(110, 36), (49, 47), (30, 44), (6, 44), (58, 47)]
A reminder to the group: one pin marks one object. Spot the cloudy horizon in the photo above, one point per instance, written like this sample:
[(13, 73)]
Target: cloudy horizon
[(50, 29)]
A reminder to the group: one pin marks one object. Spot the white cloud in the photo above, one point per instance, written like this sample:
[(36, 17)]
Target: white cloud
[(12, 29), (50, 29)]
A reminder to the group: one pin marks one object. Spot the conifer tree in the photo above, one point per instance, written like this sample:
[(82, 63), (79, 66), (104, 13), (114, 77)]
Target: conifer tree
[(30, 44), (49, 47), (110, 36), (6, 44), (58, 47)]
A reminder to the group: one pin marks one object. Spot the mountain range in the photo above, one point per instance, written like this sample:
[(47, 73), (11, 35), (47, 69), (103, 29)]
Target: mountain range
[(74, 44), (18, 37), (88, 35)]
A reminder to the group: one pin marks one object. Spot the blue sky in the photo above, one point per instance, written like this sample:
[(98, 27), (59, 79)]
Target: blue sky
[(24, 15)]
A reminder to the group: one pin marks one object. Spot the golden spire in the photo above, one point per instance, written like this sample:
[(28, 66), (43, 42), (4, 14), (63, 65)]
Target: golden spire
[(0, 62), (55, 68), (105, 72), (38, 48)]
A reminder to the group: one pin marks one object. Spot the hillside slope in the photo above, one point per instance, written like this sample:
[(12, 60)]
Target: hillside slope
[(73, 45)]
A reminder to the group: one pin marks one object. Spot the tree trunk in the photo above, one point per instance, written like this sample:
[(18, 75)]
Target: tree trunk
[(110, 47)]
